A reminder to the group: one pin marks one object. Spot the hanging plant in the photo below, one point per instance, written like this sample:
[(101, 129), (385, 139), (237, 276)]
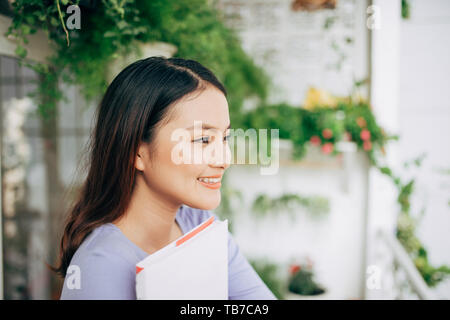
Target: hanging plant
[(323, 121), (315, 205), (110, 28)]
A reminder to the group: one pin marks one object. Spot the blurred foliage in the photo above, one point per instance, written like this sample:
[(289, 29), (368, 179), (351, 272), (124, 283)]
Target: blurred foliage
[(406, 9), (315, 205), (323, 122), (407, 224), (269, 273), (406, 230), (111, 28)]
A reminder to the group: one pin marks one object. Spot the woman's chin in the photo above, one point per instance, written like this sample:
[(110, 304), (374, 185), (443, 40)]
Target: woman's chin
[(207, 204)]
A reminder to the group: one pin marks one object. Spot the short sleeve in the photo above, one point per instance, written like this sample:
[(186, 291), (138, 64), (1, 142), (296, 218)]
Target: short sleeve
[(243, 281), (99, 276)]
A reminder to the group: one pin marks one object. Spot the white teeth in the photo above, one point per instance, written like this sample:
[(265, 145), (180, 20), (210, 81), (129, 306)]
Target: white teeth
[(209, 180)]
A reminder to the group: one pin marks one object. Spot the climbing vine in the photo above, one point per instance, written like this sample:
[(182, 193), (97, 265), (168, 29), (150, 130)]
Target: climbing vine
[(110, 28)]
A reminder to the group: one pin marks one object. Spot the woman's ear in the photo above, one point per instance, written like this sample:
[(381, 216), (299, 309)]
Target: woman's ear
[(140, 158)]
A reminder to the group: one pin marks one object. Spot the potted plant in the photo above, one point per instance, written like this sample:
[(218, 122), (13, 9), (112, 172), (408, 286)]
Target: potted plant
[(301, 283)]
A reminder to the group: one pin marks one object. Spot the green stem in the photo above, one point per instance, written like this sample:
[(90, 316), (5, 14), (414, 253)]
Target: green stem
[(62, 22)]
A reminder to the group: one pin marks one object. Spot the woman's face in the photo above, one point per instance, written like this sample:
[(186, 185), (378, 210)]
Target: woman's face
[(185, 152)]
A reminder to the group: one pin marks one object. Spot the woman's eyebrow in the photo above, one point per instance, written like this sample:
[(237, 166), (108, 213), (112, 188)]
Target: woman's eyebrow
[(207, 126)]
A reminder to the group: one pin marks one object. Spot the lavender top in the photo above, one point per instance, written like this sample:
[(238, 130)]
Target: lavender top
[(107, 259)]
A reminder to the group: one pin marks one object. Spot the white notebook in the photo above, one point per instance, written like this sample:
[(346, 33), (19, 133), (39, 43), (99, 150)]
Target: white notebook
[(193, 267)]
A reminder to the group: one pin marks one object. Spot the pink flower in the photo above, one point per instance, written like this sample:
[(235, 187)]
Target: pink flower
[(361, 122), (315, 140), (365, 134), (294, 269), (327, 148), (367, 145), (327, 133)]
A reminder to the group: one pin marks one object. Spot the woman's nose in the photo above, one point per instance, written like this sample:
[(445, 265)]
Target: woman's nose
[(222, 155)]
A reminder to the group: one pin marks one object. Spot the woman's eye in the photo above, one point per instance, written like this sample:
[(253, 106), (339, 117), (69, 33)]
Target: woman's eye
[(202, 139), (206, 139)]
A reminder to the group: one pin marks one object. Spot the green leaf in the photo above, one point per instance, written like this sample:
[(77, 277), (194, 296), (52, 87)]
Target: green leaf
[(386, 171), (21, 52), (30, 19), (122, 24), (26, 29), (54, 22), (109, 34), (121, 11)]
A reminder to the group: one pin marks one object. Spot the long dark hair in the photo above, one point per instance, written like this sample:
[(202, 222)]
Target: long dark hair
[(134, 105)]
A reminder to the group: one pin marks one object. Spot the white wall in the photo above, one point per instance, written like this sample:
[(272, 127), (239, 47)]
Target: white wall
[(383, 208), (424, 118), (334, 242), (411, 97), (296, 50)]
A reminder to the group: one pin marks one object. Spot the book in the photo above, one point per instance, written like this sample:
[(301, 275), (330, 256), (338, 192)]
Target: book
[(192, 267)]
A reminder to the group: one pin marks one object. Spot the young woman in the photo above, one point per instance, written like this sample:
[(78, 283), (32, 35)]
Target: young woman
[(136, 198)]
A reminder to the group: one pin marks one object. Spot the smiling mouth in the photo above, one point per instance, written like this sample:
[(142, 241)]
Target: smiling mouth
[(212, 183)]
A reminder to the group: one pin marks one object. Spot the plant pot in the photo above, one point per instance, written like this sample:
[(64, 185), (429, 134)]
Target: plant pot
[(294, 296), (289, 295), (140, 50)]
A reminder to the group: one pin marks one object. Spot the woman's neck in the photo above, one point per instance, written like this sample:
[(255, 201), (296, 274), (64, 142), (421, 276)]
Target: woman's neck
[(149, 220)]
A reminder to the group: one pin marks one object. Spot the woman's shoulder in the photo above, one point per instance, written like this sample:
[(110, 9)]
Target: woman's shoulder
[(108, 240), (105, 266), (106, 248)]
